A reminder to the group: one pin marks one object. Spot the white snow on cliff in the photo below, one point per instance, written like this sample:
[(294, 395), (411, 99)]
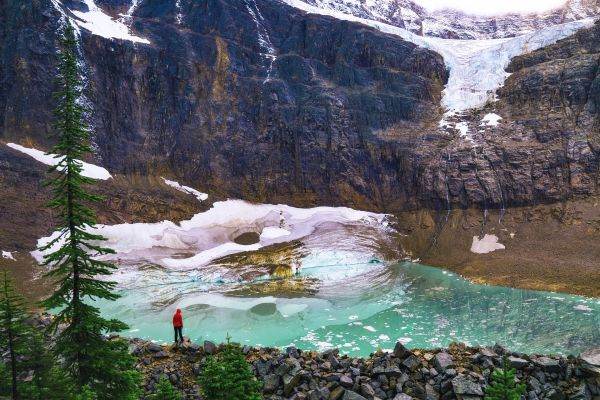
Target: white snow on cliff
[(477, 67), (8, 255), (487, 244), (211, 234), (89, 170), (186, 189), (101, 24)]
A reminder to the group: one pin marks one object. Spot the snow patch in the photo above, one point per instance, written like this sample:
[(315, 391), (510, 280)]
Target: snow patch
[(186, 189), (273, 232), (8, 255), (491, 119), (88, 170), (179, 16), (101, 24), (488, 244), (264, 41)]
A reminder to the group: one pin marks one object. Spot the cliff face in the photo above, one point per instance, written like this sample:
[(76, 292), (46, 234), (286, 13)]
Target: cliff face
[(257, 100)]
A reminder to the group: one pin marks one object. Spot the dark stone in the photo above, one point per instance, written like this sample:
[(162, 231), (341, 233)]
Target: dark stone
[(443, 361), (210, 347)]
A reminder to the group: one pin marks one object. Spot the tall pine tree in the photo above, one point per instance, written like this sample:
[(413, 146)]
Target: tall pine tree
[(14, 332), (89, 357)]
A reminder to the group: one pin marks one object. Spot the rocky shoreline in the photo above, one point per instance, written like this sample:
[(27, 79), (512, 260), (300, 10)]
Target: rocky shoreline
[(457, 372)]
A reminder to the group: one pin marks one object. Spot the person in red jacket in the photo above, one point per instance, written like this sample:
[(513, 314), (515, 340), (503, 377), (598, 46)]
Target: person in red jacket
[(178, 325)]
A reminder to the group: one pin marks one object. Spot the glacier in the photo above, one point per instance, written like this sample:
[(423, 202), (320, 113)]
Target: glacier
[(477, 67)]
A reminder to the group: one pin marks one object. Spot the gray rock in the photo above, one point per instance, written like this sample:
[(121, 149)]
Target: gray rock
[(402, 396), (464, 387), (401, 351), (412, 362), (350, 395), (581, 393), (517, 363), (547, 364), (367, 390), (210, 347), (591, 361), (443, 361), (555, 394), (271, 383), (346, 381), (388, 372), (153, 347)]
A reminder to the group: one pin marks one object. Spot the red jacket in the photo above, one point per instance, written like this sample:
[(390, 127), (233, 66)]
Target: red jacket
[(178, 319)]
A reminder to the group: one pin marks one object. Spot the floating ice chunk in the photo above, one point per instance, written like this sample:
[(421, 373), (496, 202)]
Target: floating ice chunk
[(8, 255), (101, 24), (370, 328), (488, 244), (582, 307), (491, 119), (186, 189), (273, 232), (291, 308), (88, 170)]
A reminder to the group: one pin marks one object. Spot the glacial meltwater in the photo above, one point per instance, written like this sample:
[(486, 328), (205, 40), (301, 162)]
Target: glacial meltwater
[(362, 307), (316, 278)]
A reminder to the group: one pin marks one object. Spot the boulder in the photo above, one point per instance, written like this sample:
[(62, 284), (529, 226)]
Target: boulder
[(443, 361), (210, 347), (547, 364), (401, 351), (463, 387), (350, 395), (271, 383), (517, 363)]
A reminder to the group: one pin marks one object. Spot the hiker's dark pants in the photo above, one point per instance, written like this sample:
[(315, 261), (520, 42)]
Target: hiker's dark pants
[(178, 331)]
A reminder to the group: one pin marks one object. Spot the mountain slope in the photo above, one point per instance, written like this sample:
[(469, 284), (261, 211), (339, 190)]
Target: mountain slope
[(258, 100)]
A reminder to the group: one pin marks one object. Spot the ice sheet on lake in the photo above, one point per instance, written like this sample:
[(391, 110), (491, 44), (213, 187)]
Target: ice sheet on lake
[(211, 234), (88, 170)]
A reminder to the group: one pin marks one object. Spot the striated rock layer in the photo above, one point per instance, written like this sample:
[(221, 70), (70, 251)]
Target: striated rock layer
[(257, 100)]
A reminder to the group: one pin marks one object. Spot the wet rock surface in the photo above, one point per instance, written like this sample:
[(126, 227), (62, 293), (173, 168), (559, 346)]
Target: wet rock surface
[(296, 374)]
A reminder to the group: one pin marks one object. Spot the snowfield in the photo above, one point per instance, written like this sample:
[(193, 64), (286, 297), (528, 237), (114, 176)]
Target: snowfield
[(88, 170), (210, 235), (101, 24), (477, 67), (186, 189)]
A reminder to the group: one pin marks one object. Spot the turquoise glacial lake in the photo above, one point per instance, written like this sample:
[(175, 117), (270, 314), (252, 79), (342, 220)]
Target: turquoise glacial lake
[(359, 309)]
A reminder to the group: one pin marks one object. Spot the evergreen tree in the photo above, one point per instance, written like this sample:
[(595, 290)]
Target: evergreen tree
[(503, 385), (49, 380), (13, 332), (89, 358), (228, 376), (165, 391)]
